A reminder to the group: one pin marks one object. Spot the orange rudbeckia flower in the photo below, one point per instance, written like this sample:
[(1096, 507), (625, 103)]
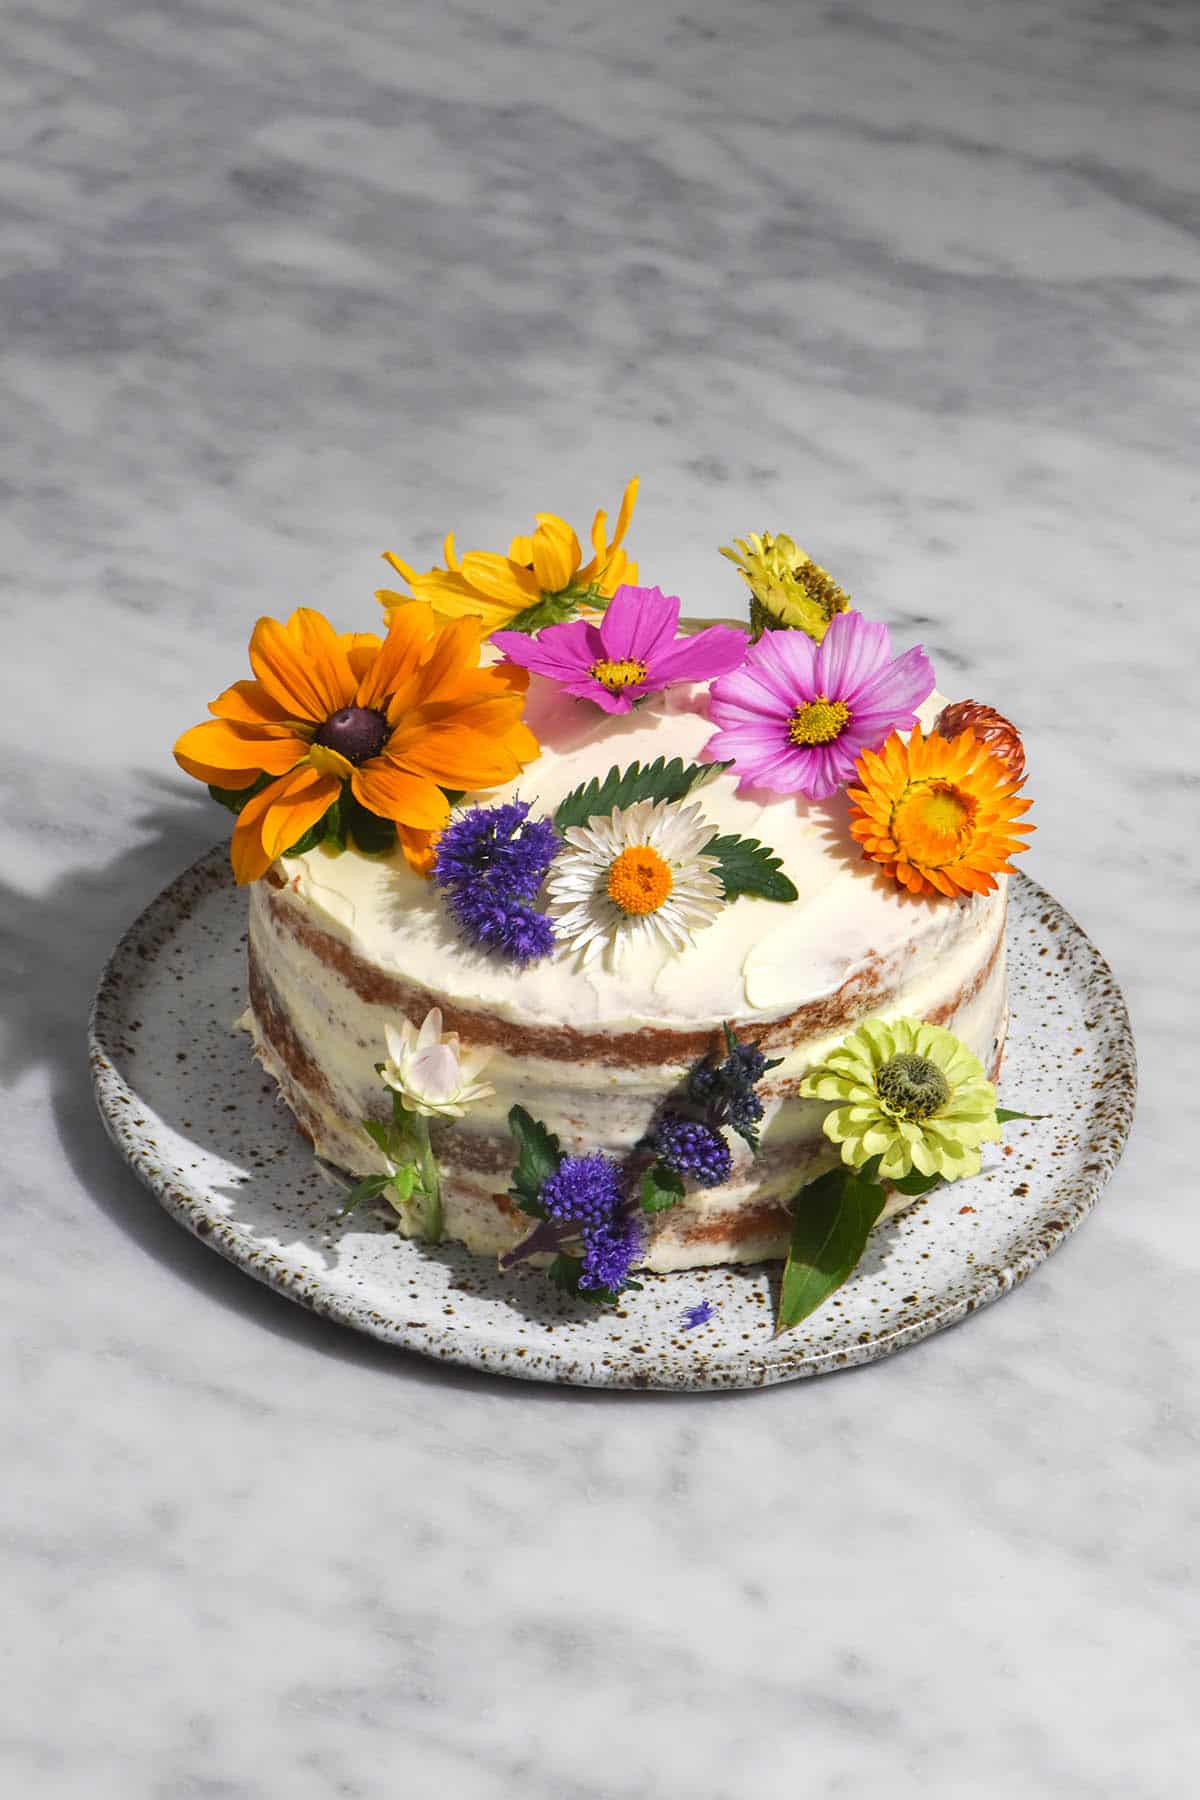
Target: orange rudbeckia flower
[(545, 572), (940, 815), (396, 721)]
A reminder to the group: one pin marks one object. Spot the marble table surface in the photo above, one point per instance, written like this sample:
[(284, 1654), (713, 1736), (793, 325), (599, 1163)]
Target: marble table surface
[(284, 285)]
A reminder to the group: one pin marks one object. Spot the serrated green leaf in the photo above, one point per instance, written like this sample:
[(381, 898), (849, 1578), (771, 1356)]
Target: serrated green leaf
[(538, 1156), (831, 1220), (659, 780), (748, 867), (233, 799), (1003, 1115), (661, 1188)]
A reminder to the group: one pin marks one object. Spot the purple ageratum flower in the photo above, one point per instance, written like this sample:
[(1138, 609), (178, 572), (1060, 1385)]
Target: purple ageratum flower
[(609, 1252), (496, 846), (694, 1149), (698, 1315), (510, 928), (584, 1190), (489, 864), (797, 715), (632, 651)]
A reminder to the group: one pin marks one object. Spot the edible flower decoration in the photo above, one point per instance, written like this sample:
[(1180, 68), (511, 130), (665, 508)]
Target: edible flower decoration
[(631, 652), (912, 1105), (586, 1218), (688, 1143), (542, 580), (590, 1210), (638, 877), (797, 715), (941, 816), (431, 1077), (788, 590), (999, 734), (910, 1094), (490, 864), (344, 734)]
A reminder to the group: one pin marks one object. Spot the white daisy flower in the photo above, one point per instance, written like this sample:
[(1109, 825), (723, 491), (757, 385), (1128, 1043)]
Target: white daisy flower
[(432, 1074), (636, 877)]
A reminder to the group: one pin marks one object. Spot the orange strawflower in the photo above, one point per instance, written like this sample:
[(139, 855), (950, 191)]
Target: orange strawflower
[(395, 720), (543, 575), (938, 814)]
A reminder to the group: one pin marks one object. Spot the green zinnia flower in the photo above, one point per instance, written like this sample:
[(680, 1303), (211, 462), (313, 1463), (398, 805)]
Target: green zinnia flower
[(909, 1093)]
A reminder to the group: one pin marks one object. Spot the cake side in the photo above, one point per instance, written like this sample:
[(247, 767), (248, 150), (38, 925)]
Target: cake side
[(319, 1008)]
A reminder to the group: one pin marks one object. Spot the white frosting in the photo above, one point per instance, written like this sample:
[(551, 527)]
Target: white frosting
[(758, 959)]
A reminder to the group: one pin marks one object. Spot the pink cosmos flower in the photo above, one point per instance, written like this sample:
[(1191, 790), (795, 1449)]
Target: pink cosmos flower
[(796, 716), (632, 651)]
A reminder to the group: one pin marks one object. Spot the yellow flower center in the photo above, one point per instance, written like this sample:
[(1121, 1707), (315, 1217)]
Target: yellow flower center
[(819, 722), (617, 675), (639, 881), (935, 821)]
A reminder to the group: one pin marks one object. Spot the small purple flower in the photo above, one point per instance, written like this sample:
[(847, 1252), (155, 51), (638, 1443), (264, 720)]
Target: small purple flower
[(489, 864), (797, 715), (496, 846), (693, 1149), (508, 927), (609, 1252), (631, 652), (583, 1189), (698, 1315)]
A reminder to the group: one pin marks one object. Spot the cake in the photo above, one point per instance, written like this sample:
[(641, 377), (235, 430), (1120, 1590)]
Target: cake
[(673, 944), (341, 944)]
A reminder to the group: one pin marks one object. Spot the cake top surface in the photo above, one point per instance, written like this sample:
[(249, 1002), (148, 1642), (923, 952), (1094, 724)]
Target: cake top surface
[(757, 959)]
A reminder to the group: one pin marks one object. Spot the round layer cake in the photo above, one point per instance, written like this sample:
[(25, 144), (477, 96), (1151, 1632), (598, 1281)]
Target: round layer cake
[(342, 944)]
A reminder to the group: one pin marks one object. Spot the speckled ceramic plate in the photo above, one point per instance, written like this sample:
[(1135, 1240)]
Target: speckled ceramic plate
[(198, 1121)]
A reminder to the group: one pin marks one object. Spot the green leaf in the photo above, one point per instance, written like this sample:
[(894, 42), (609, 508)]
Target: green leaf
[(236, 798), (404, 1181), (831, 1221), (748, 867), (371, 834), (335, 830), (915, 1183), (538, 1156), (659, 780), (366, 1190), (378, 1135), (661, 1189), (312, 837), (565, 1271), (1003, 1115)]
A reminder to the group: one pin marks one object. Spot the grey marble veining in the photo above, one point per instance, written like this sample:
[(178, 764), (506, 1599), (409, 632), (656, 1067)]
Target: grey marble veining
[(283, 286)]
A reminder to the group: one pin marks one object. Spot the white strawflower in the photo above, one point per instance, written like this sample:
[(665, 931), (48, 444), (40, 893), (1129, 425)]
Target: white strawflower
[(637, 877), (430, 1072)]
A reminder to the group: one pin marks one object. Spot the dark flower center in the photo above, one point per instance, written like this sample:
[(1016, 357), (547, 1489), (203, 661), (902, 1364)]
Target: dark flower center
[(912, 1086), (357, 733)]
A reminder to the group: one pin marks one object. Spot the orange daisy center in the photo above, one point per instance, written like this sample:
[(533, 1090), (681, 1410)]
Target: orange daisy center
[(639, 880), (819, 721), (934, 822), (617, 675)]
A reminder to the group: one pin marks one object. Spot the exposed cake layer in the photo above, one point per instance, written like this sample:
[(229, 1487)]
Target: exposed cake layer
[(340, 946)]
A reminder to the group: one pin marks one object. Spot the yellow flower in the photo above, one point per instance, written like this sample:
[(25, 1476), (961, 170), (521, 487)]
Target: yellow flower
[(541, 581), (788, 590)]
